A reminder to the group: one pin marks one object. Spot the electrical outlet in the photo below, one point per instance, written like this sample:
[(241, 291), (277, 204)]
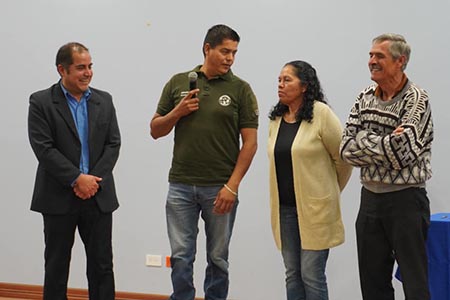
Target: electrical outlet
[(153, 260)]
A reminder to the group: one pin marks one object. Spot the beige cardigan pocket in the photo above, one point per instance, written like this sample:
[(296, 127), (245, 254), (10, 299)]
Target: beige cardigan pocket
[(319, 210)]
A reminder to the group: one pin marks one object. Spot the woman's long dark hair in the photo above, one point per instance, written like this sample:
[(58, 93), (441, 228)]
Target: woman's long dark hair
[(308, 77)]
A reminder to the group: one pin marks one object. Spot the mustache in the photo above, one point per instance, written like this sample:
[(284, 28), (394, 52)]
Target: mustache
[(374, 67)]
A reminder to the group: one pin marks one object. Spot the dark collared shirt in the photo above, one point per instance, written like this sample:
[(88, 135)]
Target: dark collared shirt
[(207, 141)]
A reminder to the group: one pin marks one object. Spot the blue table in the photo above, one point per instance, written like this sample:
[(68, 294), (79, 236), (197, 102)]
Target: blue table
[(438, 249)]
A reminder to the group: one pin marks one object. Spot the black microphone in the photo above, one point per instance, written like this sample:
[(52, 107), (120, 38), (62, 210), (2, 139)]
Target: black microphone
[(192, 82)]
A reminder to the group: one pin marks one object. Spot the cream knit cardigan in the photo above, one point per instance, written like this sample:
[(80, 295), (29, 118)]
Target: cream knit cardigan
[(319, 177)]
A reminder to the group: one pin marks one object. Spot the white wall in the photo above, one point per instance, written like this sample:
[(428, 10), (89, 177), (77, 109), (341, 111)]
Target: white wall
[(136, 46)]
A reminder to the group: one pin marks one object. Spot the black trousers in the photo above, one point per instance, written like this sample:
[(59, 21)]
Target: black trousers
[(95, 230), (393, 226)]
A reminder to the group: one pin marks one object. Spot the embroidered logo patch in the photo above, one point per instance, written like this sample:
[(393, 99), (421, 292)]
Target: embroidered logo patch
[(224, 100)]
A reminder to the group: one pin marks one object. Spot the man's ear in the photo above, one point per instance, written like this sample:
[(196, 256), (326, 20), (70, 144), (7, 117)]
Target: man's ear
[(206, 48), (402, 60), (60, 69)]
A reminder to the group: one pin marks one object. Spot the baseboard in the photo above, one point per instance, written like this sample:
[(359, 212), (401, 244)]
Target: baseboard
[(27, 291)]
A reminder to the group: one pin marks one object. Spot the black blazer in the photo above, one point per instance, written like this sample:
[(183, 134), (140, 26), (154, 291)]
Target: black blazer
[(55, 142)]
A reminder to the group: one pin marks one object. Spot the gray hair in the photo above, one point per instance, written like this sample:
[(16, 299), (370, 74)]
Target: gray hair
[(397, 47)]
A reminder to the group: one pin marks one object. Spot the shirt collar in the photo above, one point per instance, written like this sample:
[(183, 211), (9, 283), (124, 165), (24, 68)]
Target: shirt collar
[(378, 91), (227, 76), (86, 94)]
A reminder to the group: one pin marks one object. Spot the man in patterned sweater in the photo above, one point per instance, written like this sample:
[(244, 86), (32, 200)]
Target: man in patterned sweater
[(388, 135)]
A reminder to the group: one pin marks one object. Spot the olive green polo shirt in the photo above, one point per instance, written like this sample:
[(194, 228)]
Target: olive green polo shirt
[(207, 141)]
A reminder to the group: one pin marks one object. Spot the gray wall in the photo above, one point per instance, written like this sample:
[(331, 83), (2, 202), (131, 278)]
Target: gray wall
[(136, 46)]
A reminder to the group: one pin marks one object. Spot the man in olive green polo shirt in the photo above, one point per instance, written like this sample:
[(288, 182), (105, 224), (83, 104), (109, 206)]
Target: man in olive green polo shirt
[(208, 161)]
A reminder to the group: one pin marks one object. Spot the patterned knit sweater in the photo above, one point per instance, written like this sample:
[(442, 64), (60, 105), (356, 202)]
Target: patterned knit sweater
[(390, 161)]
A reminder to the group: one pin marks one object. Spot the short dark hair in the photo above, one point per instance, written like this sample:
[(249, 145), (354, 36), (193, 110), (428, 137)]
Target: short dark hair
[(308, 77), (64, 56), (217, 34)]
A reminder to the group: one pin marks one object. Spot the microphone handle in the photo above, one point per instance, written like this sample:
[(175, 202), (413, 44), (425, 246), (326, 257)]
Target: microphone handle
[(193, 86)]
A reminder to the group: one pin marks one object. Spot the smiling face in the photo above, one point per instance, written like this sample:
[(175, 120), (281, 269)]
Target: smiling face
[(77, 77), (290, 87), (383, 67), (218, 60)]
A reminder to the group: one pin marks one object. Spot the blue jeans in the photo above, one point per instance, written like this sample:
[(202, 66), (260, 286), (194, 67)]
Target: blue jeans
[(185, 203), (305, 269)]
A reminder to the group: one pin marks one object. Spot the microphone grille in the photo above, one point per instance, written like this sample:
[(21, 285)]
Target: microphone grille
[(192, 76)]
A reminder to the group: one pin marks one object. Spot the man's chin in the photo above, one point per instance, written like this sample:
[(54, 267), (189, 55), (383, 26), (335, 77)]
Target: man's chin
[(225, 70)]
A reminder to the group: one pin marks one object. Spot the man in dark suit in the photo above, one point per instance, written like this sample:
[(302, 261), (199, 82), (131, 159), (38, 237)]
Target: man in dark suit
[(74, 134)]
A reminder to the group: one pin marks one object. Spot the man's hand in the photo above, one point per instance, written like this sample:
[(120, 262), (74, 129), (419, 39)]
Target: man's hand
[(224, 202), (161, 125), (188, 104), (86, 186)]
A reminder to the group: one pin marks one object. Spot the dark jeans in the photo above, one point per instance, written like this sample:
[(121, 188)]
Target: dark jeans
[(95, 230), (393, 226)]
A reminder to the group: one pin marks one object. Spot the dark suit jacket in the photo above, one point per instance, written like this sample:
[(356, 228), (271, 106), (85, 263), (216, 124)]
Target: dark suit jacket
[(55, 142)]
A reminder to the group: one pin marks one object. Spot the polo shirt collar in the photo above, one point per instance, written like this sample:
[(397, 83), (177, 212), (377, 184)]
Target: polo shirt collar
[(227, 76)]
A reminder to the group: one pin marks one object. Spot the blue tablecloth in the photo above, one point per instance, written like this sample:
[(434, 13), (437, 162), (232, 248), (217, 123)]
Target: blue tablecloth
[(438, 249)]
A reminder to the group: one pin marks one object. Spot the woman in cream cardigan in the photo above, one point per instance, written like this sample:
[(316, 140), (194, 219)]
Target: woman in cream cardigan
[(306, 179)]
